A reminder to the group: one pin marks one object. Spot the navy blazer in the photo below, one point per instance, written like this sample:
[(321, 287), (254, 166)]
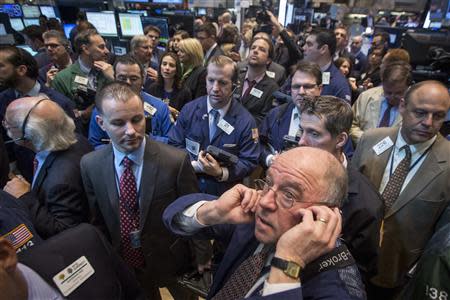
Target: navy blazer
[(242, 243), (193, 124), (339, 86)]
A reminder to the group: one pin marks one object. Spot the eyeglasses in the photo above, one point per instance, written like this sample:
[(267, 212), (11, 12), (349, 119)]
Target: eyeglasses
[(284, 198), (305, 86)]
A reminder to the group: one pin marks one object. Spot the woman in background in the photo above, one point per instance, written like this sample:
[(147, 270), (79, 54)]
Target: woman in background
[(168, 86), (190, 53)]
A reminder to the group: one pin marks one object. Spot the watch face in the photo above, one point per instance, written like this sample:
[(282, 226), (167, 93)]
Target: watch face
[(292, 270)]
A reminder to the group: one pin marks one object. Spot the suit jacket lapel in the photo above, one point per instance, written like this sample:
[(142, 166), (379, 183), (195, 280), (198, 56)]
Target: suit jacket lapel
[(148, 180), (430, 168), (43, 171), (109, 175), (380, 161)]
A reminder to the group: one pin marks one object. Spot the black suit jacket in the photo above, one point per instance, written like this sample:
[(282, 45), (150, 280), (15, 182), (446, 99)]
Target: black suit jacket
[(215, 52), (258, 107), (111, 279), (167, 174), (57, 200), (196, 82)]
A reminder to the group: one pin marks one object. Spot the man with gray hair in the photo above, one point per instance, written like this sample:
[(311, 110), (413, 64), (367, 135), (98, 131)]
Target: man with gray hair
[(55, 198), (141, 48), (58, 49)]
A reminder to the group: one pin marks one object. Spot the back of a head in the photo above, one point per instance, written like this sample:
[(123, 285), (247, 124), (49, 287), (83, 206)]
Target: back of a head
[(323, 166), (397, 54), (115, 91), (84, 38), (396, 72), (325, 37), (18, 56), (33, 32), (208, 28)]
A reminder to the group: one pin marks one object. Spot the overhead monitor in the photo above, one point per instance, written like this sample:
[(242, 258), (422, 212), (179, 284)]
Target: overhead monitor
[(2, 29), (29, 22), (68, 29), (137, 11), (159, 22), (16, 24), (104, 22), (31, 11), (168, 1), (181, 22), (130, 24), (137, 1), (13, 10), (201, 11), (48, 11)]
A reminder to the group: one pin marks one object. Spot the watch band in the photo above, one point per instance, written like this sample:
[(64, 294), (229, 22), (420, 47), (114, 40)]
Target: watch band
[(290, 268)]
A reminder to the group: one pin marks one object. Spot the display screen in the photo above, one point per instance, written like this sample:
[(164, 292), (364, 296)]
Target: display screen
[(29, 22), (16, 24), (13, 10), (130, 24), (48, 11), (161, 23), (139, 12), (168, 1), (105, 23), (68, 29), (30, 11)]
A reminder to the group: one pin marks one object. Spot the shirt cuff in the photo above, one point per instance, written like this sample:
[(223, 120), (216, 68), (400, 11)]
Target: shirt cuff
[(225, 175), (197, 166), (187, 219), (273, 288)]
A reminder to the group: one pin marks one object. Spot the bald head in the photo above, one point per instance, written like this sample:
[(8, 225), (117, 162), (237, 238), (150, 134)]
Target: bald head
[(319, 167), (44, 124)]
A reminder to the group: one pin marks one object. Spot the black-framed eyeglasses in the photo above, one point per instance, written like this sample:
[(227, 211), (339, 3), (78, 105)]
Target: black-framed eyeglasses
[(283, 198)]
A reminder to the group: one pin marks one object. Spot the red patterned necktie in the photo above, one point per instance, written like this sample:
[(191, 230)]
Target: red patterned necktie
[(250, 85), (244, 277), (129, 216), (395, 183)]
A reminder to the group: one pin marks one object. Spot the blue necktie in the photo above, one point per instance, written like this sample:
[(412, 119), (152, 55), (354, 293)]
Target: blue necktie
[(214, 115)]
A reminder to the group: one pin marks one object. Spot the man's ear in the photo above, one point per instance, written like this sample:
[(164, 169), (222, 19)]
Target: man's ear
[(8, 257), (341, 140), (100, 121), (324, 48), (22, 70)]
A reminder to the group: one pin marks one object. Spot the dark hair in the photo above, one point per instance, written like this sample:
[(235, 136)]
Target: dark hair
[(129, 60), (81, 16), (54, 24), (221, 61), (19, 57), (184, 34), (269, 42), (57, 35), (338, 63), (151, 28), (208, 28), (84, 38), (325, 37), (33, 32), (336, 112), (178, 74), (116, 91), (396, 72), (309, 68)]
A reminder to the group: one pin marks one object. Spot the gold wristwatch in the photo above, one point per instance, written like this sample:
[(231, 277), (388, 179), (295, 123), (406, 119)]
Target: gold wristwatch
[(290, 268)]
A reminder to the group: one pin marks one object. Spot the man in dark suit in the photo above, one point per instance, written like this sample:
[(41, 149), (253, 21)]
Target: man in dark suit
[(325, 123), (410, 167), (129, 183), (20, 76), (55, 199), (33, 273), (256, 86), (206, 35), (289, 223)]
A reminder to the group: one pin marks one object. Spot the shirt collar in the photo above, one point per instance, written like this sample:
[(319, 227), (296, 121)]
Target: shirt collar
[(416, 148), (210, 50), (41, 156), (31, 93), (85, 69), (326, 67), (137, 156), (222, 111), (258, 78)]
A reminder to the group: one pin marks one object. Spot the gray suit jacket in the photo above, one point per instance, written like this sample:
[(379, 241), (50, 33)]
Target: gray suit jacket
[(412, 220), (366, 113), (166, 175)]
